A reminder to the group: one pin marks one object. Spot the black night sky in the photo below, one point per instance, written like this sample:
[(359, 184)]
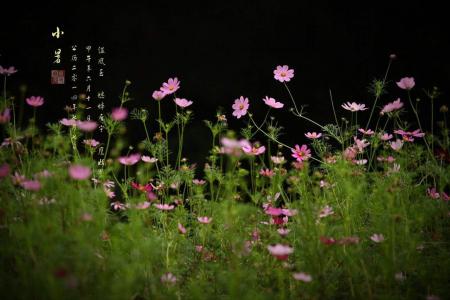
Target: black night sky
[(223, 50)]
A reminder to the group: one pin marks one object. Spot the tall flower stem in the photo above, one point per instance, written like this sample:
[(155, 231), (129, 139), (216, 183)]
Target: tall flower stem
[(277, 141), (378, 93), (420, 125), (302, 116)]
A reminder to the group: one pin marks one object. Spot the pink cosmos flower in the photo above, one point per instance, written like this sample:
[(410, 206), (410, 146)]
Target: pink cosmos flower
[(68, 122), (119, 113), (31, 185), (386, 137), (87, 126), (289, 212), (377, 238), (278, 160), (366, 132), (283, 231), (326, 211), (302, 277), (281, 252), (164, 206), (79, 172), (109, 193), (253, 150), (149, 159), (5, 116), (198, 181), (266, 173), (91, 142), (17, 178), (301, 153), (283, 73), (360, 162), (240, 107), (7, 71), (350, 153), (397, 145), (4, 170), (232, 146), (409, 136), (406, 83), (360, 144), (388, 159), (199, 248), (392, 106), (35, 101), (432, 193), (313, 135), (130, 160), (168, 278), (181, 229), (171, 86), (118, 205), (183, 103), (272, 102), (327, 240), (158, 95), (143, 205), (204, 220), (353, 107)]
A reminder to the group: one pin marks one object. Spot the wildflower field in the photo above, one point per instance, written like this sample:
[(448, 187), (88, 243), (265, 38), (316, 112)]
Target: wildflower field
[(359, 211)]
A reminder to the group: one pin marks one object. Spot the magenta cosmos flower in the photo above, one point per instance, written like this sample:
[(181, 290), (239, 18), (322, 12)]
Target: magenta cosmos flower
[(392, 106), (406, 83), (158, 95), (283, 73), (281, 252), (119, 113), (79, 172), (130, 160), (353, 107), (7, 71), (171, 86), (183, 103), (272, 102), (301, 153), (87, 126), (313, 135), (204, 220), (35, 101), (5, 116), (240, 107)]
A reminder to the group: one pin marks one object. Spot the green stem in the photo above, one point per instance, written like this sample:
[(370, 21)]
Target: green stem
[(379, 94)]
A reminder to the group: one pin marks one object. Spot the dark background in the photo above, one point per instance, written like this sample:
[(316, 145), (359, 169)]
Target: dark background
[(223, 50)]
